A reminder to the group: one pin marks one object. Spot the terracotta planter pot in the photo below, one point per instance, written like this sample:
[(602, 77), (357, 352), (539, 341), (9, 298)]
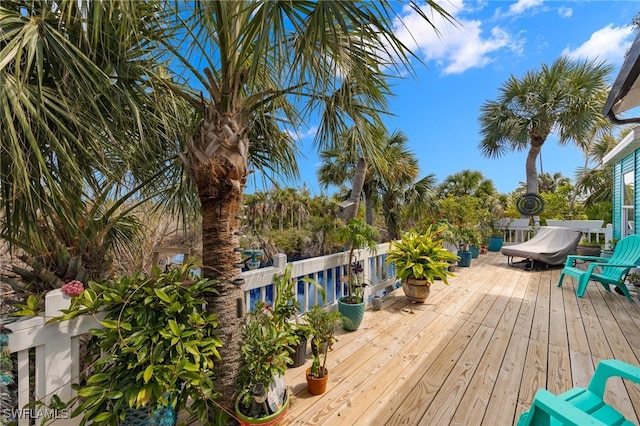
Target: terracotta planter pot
[(317, 386), (416, 290)]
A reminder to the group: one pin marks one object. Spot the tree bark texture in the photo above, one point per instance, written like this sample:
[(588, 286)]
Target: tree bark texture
[(357, 184), (536, 142), (217, 161)]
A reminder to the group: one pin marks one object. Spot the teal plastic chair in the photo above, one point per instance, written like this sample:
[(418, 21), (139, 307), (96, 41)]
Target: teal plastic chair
[(606, 271), (580, 406)]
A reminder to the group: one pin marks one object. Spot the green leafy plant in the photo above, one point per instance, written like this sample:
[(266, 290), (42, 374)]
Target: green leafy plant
[(587, 242), (611, 244), (358, 235), (468, 235), (157, 346), (421, 256), (323, 324), (264, 350), (286, 305)]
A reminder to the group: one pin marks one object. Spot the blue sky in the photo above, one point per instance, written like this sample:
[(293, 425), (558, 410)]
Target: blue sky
[(466, 66)]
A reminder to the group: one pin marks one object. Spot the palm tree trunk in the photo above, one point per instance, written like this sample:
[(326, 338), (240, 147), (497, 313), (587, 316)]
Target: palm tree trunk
[(356, 186), (368, 203), (530, 166), (220, 177), (218, 241)]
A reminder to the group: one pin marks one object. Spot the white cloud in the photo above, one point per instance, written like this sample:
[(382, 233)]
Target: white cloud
[(565, 12), (609, 43), (302, 134), (458, 46), (521, 6)]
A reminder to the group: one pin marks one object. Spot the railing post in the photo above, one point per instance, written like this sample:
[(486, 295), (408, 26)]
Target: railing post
[(280, 262), (57, 350)]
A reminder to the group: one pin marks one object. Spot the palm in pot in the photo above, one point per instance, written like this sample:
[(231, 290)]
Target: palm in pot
[(357, 235)]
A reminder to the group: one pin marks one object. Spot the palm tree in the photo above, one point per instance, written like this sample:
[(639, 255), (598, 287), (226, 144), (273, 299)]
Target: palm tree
[(353, 160), (76, 106), (100, 104), (394, 183), (548, 182), (407, 199), (467, 182), (258, 56), (563, 98)]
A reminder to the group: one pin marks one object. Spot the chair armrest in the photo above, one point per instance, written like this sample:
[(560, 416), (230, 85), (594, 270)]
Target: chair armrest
[(559, 409), (612, 368), (573, 257), (595, 265)]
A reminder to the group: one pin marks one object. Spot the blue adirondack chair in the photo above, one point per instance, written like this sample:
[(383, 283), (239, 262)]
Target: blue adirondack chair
[(606, 271), (580, 406)]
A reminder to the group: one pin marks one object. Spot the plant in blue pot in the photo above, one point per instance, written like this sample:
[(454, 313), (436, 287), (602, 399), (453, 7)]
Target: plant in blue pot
[(357, 235), (468, 236)]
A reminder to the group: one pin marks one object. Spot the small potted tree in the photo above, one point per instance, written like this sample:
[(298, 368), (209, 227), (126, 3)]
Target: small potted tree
[(468, 237), (264, 349), (323, 324), (285, 310), (357, 235), (419, 259)]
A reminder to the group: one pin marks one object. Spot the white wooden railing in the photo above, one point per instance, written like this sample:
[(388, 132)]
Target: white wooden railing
[(55, 346), (518, 230)]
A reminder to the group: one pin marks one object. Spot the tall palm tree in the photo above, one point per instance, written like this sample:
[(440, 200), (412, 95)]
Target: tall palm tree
[(563, 98), (333, 57), (394, 183), (353, 160), (548, 182), (98, 103)]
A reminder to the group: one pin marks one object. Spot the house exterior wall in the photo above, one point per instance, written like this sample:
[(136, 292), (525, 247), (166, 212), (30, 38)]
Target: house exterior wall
[(629, 163)]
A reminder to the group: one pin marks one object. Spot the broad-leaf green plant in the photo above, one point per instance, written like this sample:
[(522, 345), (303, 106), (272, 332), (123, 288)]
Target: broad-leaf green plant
[(264, 350), (157, 346), (421, 256)]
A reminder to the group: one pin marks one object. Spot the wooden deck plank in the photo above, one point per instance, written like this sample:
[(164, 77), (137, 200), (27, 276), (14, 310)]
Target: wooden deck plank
[(504, 398), (474, 353), (450, 393), (476, 398), (559, 369), (418, 397)]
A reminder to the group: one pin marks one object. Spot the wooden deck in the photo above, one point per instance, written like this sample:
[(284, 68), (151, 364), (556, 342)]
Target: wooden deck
[(475, 353)]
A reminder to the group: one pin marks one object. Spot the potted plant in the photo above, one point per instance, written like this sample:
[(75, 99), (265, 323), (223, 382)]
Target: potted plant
[(264, 350), (419, 259), (156, 349), (588, 247), (468, 236), (285, 308), (357, 235), (323, 324), (497, 227)]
